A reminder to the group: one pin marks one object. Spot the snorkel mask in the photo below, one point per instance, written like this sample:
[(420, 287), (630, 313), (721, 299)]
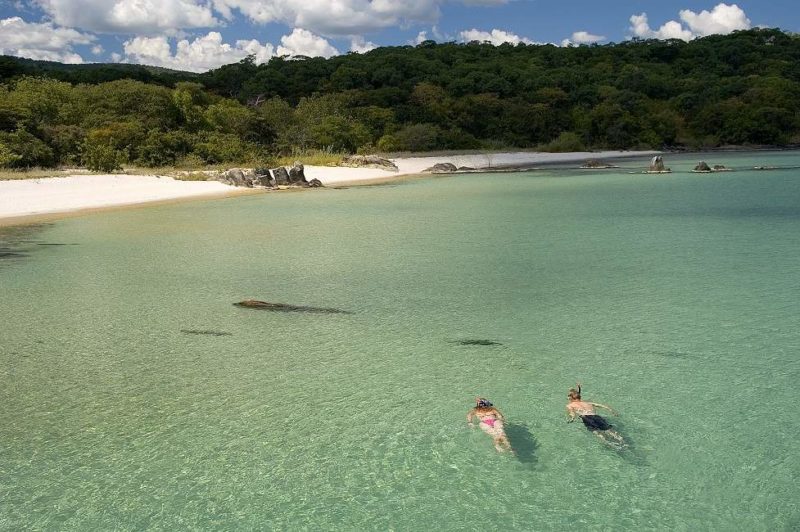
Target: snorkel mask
[(483, 403)]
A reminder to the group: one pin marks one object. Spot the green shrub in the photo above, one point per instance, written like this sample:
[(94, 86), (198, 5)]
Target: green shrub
[(23, 150), (102, 157), (414, 137), (567, 141), (215, 148), (163, 148)]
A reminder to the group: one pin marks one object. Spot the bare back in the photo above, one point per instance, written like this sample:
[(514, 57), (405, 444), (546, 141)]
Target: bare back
[(581, 408)]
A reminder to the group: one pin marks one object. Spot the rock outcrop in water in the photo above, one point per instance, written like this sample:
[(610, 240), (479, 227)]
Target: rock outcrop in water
[(285, 307), (657, 166), (702, 166)]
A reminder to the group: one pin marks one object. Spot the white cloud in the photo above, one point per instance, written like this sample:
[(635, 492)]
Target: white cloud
[(342, 17), (204, 53), (303, 42), (97, 49), (584, 37), (421, 37), (338, 17), (130, 16), (41, 40), (496, 37), (722, 19), (359, 45)]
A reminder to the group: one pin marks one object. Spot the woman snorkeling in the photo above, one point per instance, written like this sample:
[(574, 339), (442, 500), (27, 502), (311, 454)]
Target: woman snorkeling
[(491, 422)]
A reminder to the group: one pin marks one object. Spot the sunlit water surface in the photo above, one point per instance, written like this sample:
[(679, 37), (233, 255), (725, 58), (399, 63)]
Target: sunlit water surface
[(134, 395)]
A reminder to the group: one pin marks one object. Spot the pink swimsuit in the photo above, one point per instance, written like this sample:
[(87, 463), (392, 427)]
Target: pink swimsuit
[(489, 421)]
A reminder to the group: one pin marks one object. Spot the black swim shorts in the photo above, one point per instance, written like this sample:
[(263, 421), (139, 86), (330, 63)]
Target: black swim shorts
[(595, 422)]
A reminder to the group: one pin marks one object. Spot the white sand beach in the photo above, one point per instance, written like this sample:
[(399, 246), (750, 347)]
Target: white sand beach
[(27, 198), (485, 161)]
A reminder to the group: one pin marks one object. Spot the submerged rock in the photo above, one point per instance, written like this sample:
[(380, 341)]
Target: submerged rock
[(206, 332), (285, 307), (477, 342)]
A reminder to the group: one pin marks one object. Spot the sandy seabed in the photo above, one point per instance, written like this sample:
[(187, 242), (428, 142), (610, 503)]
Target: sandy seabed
[(25, 199)]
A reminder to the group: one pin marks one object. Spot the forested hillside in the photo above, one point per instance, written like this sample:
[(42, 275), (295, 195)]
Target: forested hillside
[(738, 89)]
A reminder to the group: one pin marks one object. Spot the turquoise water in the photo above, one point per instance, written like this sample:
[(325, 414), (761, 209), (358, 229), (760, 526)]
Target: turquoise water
[(134, 395)]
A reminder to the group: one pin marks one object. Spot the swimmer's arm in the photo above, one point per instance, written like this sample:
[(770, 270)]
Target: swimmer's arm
[(469, 416), (598, 405), (570, 415)]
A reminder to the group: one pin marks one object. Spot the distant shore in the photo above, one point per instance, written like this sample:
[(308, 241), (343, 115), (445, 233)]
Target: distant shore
[(28, 200)]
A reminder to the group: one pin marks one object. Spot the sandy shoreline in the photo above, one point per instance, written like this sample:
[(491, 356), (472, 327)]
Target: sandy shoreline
[(27, 200)]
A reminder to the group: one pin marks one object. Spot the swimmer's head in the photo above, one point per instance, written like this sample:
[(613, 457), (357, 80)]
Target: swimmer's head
[(480, 402), (574, 395)]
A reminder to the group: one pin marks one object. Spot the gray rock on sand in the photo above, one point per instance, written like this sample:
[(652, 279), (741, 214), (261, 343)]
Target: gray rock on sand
[(234, 177), (368, 161), (264, 177), (441, 168), (280, 175), (314, 183), (297, 174)]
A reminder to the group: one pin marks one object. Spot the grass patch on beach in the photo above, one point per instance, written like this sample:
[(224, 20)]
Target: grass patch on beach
[(312, 158), (7, 174)]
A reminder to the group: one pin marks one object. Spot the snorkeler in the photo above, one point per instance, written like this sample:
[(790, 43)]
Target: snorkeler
[(491, 422), (591, 420)]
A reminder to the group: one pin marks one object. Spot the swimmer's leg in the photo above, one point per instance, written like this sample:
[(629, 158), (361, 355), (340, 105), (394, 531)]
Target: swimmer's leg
[(616, 440), (501, 443)]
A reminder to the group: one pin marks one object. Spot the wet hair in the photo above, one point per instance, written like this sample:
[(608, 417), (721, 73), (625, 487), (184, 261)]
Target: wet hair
[(575, 394), (483, 403)]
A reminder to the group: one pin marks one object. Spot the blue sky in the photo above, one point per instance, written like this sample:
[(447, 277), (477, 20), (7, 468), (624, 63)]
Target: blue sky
[(201, 34)]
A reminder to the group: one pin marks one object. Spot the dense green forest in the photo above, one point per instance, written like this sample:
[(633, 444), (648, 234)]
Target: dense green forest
[(737, 89)]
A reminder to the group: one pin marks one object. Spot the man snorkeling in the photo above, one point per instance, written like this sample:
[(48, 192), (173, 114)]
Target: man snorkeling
[(577, 407), (491, 422)]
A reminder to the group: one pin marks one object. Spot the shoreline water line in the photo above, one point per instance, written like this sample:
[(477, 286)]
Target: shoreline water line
[(44, 199)]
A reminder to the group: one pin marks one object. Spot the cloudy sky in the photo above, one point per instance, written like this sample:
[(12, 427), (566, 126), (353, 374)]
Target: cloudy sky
[(199, 35)]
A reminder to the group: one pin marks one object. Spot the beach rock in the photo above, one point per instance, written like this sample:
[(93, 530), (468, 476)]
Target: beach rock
[(297, 174), (264, 177), (280, 175), (251, 179), (465, 169), (234, 177), (441, 168), (593, 163), (315, 183), (702, 166), (368, 161)]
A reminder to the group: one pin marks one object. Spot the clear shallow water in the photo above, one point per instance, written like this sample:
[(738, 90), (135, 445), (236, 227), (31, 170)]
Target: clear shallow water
[(672, 298)]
